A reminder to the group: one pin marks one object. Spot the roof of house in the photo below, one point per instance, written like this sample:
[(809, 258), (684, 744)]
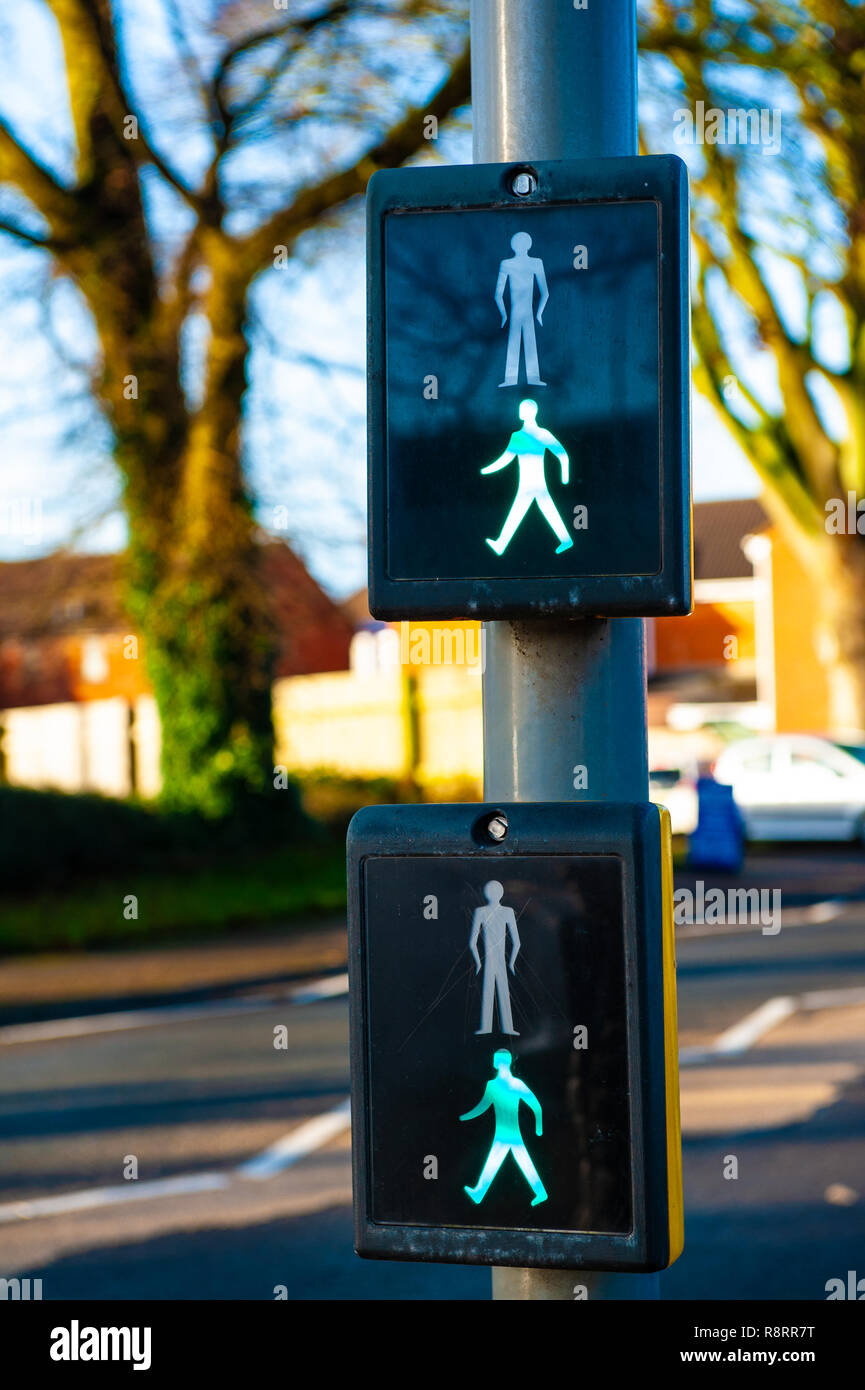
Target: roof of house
[(61, 593), (356, 608), (66, 594), (719, 529), (314, 633)]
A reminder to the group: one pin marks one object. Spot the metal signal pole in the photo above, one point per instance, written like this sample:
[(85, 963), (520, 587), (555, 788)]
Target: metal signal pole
[(564, 702)]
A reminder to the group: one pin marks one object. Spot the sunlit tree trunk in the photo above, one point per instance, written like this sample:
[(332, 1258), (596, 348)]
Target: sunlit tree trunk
[(206, 624)]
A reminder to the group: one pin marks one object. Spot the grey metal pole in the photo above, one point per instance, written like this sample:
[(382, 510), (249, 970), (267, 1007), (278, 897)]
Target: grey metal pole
[(551, 80)]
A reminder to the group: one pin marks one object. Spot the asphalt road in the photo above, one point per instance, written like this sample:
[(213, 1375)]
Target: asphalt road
[(197, 1099)]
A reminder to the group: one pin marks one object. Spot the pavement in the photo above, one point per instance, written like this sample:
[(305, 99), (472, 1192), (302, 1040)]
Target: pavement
[(241, 1148)]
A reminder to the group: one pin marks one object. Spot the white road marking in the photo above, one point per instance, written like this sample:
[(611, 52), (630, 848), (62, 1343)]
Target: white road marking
[(838, 1194), (817, 912), (736, 1040), (112, 1196), (113, 1023), (298, 1143), (328, 987), (744, 1034)]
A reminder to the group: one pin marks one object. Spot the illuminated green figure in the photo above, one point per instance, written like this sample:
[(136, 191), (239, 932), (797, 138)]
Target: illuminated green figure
[(528, 445), (504, 1093)]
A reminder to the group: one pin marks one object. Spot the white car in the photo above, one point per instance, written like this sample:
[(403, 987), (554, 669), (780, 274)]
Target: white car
[(677, 790), (796, 787)]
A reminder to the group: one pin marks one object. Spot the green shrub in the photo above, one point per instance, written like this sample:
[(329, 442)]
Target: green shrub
[(50, 838), (230, 893), (331, 799)]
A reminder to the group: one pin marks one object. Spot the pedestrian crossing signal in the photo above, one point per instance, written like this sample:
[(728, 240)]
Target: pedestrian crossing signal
[(555, 329), (524, 1038)]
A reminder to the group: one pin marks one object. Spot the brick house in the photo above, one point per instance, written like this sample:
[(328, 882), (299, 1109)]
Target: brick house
[(77, 708)]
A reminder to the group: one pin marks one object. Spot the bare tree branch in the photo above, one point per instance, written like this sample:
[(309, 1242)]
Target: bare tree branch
[(19, 167), (313, 203)]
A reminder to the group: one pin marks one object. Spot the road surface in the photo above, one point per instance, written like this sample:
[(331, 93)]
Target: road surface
[(241, 1148)]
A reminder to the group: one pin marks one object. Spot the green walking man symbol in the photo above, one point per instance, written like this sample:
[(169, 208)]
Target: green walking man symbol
[(528, 446), (504, 1093)]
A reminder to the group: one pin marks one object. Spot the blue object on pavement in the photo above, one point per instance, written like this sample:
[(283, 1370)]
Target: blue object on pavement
[(719, 839)]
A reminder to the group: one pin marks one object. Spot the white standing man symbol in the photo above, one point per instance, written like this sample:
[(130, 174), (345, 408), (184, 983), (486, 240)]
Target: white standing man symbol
[(495, 923), (520, 273), (528, 446)]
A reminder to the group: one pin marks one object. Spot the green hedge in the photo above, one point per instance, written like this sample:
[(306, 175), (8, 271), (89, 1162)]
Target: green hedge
[(331, 799), (232, 892), (53, 838)]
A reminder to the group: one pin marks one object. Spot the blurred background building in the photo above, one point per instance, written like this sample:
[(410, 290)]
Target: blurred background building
[(361, 698)]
